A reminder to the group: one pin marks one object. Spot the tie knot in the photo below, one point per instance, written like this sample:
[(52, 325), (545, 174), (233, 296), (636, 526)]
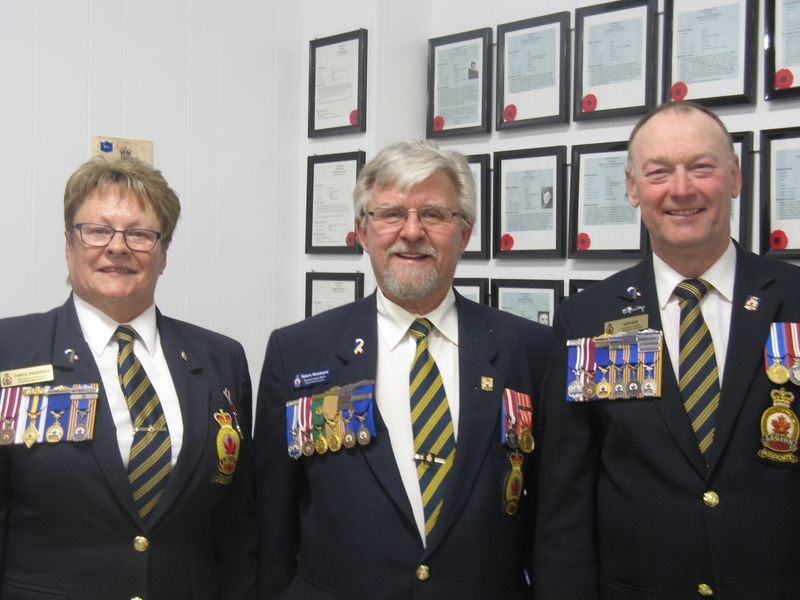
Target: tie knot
[(691, 289), (125, 334), (420, 328)]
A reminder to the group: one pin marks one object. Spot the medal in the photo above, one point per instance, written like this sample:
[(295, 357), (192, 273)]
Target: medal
[(31, 435), (603, 389), (295, 450), (55, 432), (777, 373), (362, 435), (10, 399), (308, 448), (575, 390), (334, 442), (511, 439), (321, 444), (649, 388), (349, 439), (794, 373), (589, 390), (526, 441), (775, 352), (513, 485)]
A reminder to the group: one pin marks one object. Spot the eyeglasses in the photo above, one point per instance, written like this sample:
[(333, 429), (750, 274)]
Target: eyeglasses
[(430, 217), (100, 236)]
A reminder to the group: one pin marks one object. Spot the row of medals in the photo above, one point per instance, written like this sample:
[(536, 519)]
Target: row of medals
[(523, 441), (333, 441), (53, 434), (780, 374), (577, 390)]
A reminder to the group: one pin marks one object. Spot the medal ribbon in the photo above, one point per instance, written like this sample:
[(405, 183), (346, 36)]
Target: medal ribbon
[(10, 399), (587, 364), (34, 410), (525, 410), (602, 360), (362, 405), (794, 336), (775, 348), (510, 408), (55, 403)]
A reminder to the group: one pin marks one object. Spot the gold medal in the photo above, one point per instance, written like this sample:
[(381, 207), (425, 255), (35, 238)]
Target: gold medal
[(321, 444), (30, 436), (603, 389), (6, 435), (526, 441), (54, 433), (334, 442), (777, 373), (308, 449)]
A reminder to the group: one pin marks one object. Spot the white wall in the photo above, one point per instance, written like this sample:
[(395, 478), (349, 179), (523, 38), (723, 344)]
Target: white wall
[(220, 87)]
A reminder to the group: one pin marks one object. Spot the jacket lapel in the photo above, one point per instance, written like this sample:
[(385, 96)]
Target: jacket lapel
[(669, 405), (194, 397), (479, 411), (358, 353), (748, 333), (68, 337)]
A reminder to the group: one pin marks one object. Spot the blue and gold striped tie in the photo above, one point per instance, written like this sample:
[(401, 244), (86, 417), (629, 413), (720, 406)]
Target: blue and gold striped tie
[(151, 452), (699, 378), (434, 442)]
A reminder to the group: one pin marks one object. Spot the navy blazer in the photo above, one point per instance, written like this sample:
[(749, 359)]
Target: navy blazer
[(67, 516), (340, 525), (622, 513)]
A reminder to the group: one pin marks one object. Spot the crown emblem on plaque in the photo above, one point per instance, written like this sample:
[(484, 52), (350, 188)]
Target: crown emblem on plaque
[(782, 397), (125, 152)]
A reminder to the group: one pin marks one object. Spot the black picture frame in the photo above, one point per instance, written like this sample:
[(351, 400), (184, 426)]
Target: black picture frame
[(576, 286), (341, 171), (331, 57), (355, 281), (700, 21), (539, 171), (473, 288), (780, 163), (741, 210), (478, 246), (781, 77), (612, 228), (459, 70), (611, 29), (539, 93), (518, 296)]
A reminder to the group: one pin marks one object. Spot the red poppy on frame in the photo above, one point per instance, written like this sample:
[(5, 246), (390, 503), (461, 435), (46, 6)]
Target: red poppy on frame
[(778, 240), (678, 91), (589, 103), (510, 113), (350, 239), (583, 242), (506, 242), (354, 117), (438, 123), (783, 79)]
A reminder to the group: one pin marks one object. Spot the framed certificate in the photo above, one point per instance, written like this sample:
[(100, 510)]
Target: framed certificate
[(329, 203), (532, 71), (615, 59), (780, 192), (710, 51), (337, 84), (529, 202), (781, 57), (459, 80), (473, 288), (603, 224), (741, 217), (478, 245), (576, 286), (330, 290), (534, 299)]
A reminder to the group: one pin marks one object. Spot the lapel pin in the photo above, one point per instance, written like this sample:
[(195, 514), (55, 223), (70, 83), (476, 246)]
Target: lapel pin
[(487, 384), (752, 302), (633, 293), (629, 310), (184, 356), (359, 346), (71, 356)]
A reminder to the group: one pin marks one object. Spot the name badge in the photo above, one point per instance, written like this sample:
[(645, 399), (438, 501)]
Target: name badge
[(26, 376)]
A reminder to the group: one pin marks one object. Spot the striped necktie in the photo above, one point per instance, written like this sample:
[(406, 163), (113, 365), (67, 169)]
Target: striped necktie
[(151, 451), (699, 379), (434, 442)]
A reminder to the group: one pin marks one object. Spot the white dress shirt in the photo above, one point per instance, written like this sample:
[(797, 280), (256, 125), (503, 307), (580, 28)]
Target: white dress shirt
[(715, 306), (98, 331), (396, 349)]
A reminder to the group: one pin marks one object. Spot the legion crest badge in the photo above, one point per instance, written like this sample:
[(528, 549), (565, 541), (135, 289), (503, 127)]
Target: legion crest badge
[(780, 428)]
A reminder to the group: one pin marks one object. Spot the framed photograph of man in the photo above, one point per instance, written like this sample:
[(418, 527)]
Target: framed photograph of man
[(534, 299)]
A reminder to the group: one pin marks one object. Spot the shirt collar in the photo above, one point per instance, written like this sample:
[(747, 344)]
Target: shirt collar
[(394, 320), (720, 275), (98, 328)]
